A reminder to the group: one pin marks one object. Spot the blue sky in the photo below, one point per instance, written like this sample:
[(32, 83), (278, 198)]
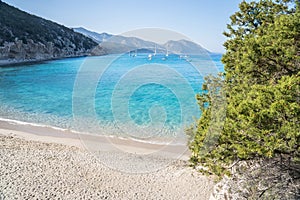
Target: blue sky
[(203, 21)]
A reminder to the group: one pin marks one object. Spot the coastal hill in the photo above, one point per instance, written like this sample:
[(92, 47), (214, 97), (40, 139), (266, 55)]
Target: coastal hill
[(25, 37), (97, 37), (185, 47), (118, 43), (121, 44)]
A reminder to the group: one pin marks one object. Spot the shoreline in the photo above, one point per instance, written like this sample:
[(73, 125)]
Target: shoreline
[(157, 141), (13, 62), (92, 142)]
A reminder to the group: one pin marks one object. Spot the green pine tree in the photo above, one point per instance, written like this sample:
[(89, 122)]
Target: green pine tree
[(261, 88)]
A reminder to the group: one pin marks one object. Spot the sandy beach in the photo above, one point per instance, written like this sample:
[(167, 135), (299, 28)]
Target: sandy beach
[(43, 163)]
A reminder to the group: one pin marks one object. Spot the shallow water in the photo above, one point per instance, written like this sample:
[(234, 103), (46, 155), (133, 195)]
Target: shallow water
[(111, 95)]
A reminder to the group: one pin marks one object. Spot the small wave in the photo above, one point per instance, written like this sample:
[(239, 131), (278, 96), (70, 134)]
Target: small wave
[(158, 141), (161, 141), (12, 121)]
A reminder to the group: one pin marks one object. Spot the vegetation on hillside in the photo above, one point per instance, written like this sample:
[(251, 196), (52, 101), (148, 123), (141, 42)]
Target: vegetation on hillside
[(17, 25), (261, 88)]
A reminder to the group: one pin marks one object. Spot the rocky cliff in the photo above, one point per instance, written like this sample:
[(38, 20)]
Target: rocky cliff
[(25, 37)]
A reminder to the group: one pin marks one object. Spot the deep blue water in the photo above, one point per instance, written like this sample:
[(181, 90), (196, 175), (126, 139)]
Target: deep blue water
[(115, 94)]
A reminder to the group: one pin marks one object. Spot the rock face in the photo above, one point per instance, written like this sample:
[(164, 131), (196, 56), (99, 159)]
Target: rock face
[(31, 50), (27, 37)]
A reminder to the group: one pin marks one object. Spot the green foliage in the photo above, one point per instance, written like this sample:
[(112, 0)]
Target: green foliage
[(15, 23), (261, 89)]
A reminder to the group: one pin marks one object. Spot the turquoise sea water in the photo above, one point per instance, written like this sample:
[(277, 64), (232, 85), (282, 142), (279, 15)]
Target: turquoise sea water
[(111, 95)]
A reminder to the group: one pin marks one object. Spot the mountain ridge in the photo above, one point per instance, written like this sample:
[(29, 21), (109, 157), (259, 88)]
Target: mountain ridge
[(97, 37), (122, 44)]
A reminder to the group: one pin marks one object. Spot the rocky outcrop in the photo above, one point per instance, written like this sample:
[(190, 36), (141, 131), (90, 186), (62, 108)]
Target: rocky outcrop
[(25, 37), (31, 50)]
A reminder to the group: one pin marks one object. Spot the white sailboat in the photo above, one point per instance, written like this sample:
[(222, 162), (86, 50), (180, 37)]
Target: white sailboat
[(166, 56), (151, 55), (135, 53)]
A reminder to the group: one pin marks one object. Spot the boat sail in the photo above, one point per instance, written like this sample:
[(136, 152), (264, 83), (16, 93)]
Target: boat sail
[(151, 55)]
